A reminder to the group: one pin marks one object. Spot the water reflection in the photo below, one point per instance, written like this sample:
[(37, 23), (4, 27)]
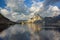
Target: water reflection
[(29, 32), (34, 27)]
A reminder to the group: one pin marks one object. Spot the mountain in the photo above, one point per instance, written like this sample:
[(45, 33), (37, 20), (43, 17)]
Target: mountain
[(35, 19), (4, 22)]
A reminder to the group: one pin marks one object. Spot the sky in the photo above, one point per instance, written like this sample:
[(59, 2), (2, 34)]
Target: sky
[(28, 3), (2, 3), (16, 10)]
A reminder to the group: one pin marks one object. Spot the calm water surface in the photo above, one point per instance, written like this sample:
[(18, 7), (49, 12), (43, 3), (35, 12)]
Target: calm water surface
[(30, 32)]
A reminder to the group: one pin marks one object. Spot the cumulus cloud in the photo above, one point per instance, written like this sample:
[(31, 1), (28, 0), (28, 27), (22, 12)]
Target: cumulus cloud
[(7, 14), (51, 2), (17, 9), (4, 11), (54, 11), (36, 8), (17, 6), (47, 8)]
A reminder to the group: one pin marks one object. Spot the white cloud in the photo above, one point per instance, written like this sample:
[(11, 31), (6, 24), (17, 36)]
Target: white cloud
[(17, 6), (53, 11), (44, 11), (36, 7), (4, 12), (17, 10), (14, 10), (55, 8)]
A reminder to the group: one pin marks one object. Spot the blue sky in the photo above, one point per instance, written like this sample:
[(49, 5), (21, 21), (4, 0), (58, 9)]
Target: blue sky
[(16, 9), (2, 3), (28, 3)]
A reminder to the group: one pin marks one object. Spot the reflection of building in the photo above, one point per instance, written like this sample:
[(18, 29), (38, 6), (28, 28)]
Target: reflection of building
[(35, 18)]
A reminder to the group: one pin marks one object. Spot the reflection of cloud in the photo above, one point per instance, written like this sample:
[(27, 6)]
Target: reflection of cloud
[(50, 35), (24, 32)]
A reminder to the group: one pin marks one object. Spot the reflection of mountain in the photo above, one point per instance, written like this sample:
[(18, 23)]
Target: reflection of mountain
[(4, 22), (24, 32)]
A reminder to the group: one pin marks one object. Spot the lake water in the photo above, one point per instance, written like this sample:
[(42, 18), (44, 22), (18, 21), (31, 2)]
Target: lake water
[(30, 32)]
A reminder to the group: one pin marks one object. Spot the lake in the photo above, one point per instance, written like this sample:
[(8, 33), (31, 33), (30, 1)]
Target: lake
[(30, 32)]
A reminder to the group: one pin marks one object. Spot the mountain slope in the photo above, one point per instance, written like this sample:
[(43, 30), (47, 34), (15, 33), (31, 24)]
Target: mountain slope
[(4, 22)]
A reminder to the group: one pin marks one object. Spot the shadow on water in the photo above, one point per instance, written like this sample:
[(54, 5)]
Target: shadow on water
[(3, 27), (30, 32)]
